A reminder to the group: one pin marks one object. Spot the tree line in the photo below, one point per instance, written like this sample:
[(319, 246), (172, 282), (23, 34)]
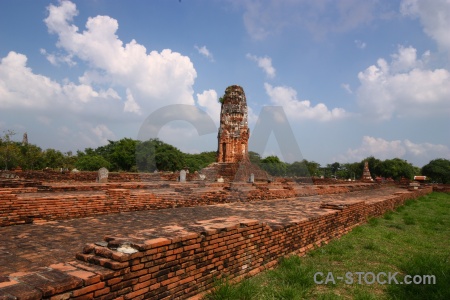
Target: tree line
[(130, 155)]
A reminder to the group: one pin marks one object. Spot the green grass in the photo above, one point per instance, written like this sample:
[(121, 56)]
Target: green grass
[(413, 240)]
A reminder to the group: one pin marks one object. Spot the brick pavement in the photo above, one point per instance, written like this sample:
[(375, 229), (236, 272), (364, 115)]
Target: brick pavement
[(32, 247)]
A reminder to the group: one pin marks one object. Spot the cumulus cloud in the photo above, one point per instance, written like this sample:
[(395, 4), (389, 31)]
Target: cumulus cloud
[(301, 109), (154, 79), (57, 59), (20, 87), (265, 63), (205, 52), (403, 87), (131, 105), (121, 81), (208, 101), (384, 149), (434, 16)]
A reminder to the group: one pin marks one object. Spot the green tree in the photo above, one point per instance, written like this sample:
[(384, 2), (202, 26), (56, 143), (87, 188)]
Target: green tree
[(9, 152), (298, 168), (438, 170), (53, 159), (313, 167), (32, 157), (274, 166), (352, 170), (396, 168), (123, 156), (254, 157), (156, 155), (196, 162), (92, 163)]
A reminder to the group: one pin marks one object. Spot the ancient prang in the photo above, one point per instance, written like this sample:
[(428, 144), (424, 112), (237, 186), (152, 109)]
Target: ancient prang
[(233, 132), (366, 173), (25, 139), (233, 163)]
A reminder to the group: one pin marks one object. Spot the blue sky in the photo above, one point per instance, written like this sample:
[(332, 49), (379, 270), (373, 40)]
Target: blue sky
[(355, 78)]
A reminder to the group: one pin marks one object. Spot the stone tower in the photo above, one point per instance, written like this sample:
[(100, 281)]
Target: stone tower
[(233, 132), (366, 172), (25, 139)]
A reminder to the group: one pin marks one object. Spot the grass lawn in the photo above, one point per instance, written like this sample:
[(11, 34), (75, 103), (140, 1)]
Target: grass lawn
[(413, 240)]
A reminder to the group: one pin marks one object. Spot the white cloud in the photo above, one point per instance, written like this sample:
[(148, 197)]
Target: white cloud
[(20, 87), (56, 59), (434, 16), (347, 87), (208, 100), (103, 133), (360, 44), (383, 149), (205, 52), (154, 79), (265, 63), (404, 87), (119, 77), (131, 105), (301, 109)]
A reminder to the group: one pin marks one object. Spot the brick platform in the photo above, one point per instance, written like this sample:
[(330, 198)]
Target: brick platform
[(175, 252)]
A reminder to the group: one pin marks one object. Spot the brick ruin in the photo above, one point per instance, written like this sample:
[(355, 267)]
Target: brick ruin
[(183, 263), (233, 131), (366, 173), (233, 163)]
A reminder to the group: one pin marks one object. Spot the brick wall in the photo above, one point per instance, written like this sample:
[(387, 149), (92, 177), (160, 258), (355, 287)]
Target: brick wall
[(183, 266), (18, 207)]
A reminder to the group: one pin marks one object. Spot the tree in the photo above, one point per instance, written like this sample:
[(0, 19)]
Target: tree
[(196, 162), (298, 168), (274, 166), (352, 170), (32, 157), (154, 155), (92, 163), (396, 168), (53, 158), (254, 157), (374, 166), (123, 156), (438, 170), (8, 149)]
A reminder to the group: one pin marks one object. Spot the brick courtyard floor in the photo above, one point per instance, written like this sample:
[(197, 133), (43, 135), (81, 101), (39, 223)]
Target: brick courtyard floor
[(31, 247)]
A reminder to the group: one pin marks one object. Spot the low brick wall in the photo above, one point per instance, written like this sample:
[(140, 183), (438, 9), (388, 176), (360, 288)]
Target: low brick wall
[(443, 188), (16, 207), (183, 266)]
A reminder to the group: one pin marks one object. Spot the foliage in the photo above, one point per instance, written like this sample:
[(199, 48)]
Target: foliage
[(274, 166), (438, 170), (92, 163), (254, 157), (298, 168), (52, 158), (396, 168), (132, 155), (154, 155), (196, 162), (8, 150)]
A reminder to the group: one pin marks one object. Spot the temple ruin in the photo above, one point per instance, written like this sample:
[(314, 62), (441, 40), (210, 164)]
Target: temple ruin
[(366, 173), (233, 132)]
